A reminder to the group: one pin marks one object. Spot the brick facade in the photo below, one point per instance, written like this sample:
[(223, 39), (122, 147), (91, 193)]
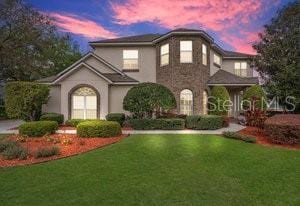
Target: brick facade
[(179, 76)]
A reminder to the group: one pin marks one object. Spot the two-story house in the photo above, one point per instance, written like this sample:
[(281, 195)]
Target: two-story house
[(186, 61)]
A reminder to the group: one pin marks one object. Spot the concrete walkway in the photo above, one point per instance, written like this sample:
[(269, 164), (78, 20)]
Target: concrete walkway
[(233, 127), (6, 125)]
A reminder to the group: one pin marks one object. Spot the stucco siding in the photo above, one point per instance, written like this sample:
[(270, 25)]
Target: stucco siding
[(228, 65), (54, 102), (213, 67), (98, 65), (84, 76), (147, 61), (116, 96)]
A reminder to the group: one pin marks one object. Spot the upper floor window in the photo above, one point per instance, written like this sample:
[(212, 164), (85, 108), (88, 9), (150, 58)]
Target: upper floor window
[(164, 55), (217, 59), (130, 59), (204, 54), (186, 51), (240, 69)]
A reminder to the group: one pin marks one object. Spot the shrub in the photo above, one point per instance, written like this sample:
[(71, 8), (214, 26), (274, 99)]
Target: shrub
[(24, 100), (12, 150), (98, 129), (235, 135), (150, 124), (283, 128), (46, 152), (75, 122), (204, 122), (117, 117), (219, 100), (59, 118), (4, 144), (38, 128), (255, 95), (145, 98)]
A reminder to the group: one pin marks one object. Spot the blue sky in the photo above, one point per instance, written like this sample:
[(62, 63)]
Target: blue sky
[(234, 24)]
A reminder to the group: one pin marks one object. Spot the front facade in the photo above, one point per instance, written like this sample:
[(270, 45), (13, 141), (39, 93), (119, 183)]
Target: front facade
[(186, 61)]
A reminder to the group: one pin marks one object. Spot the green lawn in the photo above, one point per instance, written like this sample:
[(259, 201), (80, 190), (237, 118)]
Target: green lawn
[(160, 170)]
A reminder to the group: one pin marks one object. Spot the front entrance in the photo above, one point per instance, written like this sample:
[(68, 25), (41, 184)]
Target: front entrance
[(84, 103)]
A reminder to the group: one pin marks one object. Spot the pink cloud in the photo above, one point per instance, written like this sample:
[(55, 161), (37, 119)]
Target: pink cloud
[(81, 26)]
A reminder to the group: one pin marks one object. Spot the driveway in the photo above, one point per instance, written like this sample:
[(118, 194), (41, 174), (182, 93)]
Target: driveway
[(6, 125)]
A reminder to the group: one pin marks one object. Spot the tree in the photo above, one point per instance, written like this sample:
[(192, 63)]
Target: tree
[(219, 101), (277, 57), (30, 45), (145, 98), (255, 93), (24, 100)]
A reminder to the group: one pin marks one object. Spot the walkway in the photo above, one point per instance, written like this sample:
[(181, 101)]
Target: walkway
[(6, 125)]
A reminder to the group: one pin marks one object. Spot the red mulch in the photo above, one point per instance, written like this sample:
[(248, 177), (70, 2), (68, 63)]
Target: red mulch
[(261, 138), (77, 146), (65, 127)]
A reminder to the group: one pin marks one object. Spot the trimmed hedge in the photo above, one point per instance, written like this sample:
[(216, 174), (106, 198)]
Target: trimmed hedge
[(257, 92), (74, 122), (204, 122), (219, 100), (234, 135), (59, 118), (46, 152), (283, 128), (38, 128), (117, 117), (98, 129), (164, 124)]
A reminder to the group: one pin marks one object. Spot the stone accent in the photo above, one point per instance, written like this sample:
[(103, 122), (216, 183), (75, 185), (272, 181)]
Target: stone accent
[(179, 76)]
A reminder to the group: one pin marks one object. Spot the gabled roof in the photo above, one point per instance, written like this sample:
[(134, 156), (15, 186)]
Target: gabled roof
[(137, 38), (223, 77)]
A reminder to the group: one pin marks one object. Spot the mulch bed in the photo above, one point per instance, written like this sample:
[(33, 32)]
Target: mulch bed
[(77, 146), (261, 138)]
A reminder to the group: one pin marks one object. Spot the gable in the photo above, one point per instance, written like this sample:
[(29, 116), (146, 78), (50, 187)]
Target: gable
[(100, 66)]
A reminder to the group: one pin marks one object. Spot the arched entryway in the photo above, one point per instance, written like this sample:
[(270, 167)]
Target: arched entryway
[(84, 103)]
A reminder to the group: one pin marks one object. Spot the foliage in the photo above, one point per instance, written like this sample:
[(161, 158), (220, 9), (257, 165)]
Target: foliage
[(38, 128), (12, 150), (46, 152), (204, 122), (145, 98), (164, 124), (31, 46), (75, 122), (24, 100), (256, 93), (278, 54), (218, 101), (235, 135), (98, 129), (59, 118), (283, 128), (117, 117), (255, 117)]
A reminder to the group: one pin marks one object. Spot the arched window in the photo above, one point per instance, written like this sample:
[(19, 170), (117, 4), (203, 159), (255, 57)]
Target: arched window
[(84, 104), (204, 101), (186, 102)]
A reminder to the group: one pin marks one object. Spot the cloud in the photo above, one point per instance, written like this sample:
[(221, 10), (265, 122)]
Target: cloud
[(81, 26), (226, 18)]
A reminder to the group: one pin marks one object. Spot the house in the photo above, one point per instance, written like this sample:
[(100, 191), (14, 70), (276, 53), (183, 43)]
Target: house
[(186, 61)]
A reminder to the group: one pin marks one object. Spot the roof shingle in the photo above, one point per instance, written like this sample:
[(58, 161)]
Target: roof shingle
[(224, 77)]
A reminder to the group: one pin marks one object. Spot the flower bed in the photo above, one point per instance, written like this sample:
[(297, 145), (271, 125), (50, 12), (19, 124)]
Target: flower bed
[(68, 145)]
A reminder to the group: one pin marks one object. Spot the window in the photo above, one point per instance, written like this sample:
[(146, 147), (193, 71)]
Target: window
[(217, 59), (186, 52), (204, 101), (186, 102), (240, 69), (204, 54), (130, 59), (84, 104), (164, 55)]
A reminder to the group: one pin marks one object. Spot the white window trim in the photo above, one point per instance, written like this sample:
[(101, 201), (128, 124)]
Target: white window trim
[(217, 63), (186, 62), (164, 54), (137, 59), (204, 55), (240, 71)]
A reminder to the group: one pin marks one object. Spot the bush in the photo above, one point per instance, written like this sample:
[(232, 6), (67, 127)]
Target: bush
[(256, 95), (46, 152), (12, 150), (234, 135), (98, 129), (117, 117), (204, 122), (75, 122), (150, 124), (145, 98), (219, 100), (24, 100), (38, 128), (59, 118), (283, 128)]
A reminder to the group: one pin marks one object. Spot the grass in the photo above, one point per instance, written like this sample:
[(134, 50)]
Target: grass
[(161, 170)]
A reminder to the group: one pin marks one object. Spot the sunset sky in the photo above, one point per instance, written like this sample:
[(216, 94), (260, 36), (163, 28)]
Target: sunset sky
[(233, 24)]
